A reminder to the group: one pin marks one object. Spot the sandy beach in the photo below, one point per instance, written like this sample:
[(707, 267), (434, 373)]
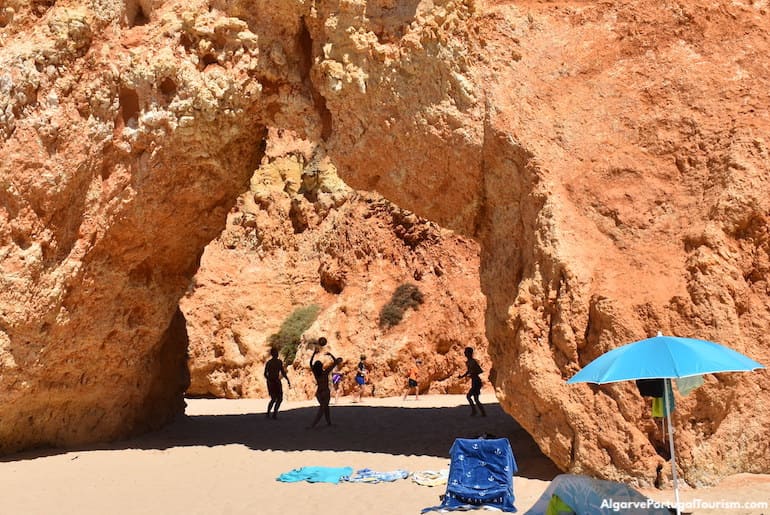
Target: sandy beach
[(224, 458)]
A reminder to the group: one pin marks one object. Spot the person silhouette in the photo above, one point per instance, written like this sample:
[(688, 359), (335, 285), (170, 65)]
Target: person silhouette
[(474, 371), (274, 369), (322, 394)]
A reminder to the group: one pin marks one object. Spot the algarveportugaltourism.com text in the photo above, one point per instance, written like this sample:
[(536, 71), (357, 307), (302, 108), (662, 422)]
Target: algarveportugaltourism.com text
[(683, 505)]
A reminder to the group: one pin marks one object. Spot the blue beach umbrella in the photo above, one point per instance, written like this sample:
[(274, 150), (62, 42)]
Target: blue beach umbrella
[(664, 357)]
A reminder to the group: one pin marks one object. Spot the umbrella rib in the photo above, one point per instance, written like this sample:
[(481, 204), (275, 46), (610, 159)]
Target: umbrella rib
[(674, 366)]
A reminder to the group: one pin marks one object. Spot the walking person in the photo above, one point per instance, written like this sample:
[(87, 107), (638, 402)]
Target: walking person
[(322, 394), (274, 369), (411, 380), (474, 371), (361, 376)]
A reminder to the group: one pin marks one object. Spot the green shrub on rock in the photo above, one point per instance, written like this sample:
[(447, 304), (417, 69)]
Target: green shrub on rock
[(288, 336), (406, 296)]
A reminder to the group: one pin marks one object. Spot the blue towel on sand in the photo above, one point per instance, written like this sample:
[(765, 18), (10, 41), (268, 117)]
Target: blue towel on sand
[(480, 475), (316, 474)]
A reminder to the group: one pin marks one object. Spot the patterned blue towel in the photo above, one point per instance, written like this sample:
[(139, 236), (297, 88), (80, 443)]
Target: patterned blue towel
[(370, 476), (480, 475), (316, 475)]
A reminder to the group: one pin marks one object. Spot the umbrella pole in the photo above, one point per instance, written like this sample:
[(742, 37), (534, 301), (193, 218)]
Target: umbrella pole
[(666, 387)]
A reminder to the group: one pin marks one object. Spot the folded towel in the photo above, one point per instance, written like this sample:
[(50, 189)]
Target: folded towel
[(316, 475), (431, 477), (371, 476)]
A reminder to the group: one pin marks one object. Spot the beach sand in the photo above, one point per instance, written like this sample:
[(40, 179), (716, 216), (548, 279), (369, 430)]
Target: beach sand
[(223, 457)]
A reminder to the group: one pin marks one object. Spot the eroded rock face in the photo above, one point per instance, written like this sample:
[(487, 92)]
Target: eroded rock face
[(617, 181), (116, 136), (654, 217), (300, 237), (611, 160)]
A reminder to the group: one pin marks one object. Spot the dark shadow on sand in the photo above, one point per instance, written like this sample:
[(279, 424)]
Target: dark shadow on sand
[(380, 429)]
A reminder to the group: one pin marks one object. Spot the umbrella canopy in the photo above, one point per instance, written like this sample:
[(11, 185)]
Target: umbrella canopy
[(662, 357)]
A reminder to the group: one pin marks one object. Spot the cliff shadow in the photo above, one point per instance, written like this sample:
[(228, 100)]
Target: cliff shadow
[(377, 429)]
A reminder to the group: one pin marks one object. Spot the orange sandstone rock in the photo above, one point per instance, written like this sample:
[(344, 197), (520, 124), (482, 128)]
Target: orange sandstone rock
[(610, 158)]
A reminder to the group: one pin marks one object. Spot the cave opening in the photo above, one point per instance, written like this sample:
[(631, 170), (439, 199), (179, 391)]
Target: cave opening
[(304, 239), (262, 282)]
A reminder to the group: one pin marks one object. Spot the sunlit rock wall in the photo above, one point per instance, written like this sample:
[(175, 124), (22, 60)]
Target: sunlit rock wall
[(611, 159)]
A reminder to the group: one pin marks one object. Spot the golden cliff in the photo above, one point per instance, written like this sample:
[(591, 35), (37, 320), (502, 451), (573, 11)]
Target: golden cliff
[(611, 159)]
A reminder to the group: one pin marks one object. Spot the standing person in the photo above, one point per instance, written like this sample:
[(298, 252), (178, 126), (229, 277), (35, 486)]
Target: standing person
[(337, 374), (274, 369), (322, 393), (361, 376), (473, 369), (411, 381)]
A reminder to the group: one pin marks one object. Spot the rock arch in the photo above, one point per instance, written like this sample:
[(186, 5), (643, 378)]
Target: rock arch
[(610, 159)]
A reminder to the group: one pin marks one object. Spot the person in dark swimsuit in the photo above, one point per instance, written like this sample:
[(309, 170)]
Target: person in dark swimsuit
[(473, 369), (273, 371), (361, 377), (322, 394)]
